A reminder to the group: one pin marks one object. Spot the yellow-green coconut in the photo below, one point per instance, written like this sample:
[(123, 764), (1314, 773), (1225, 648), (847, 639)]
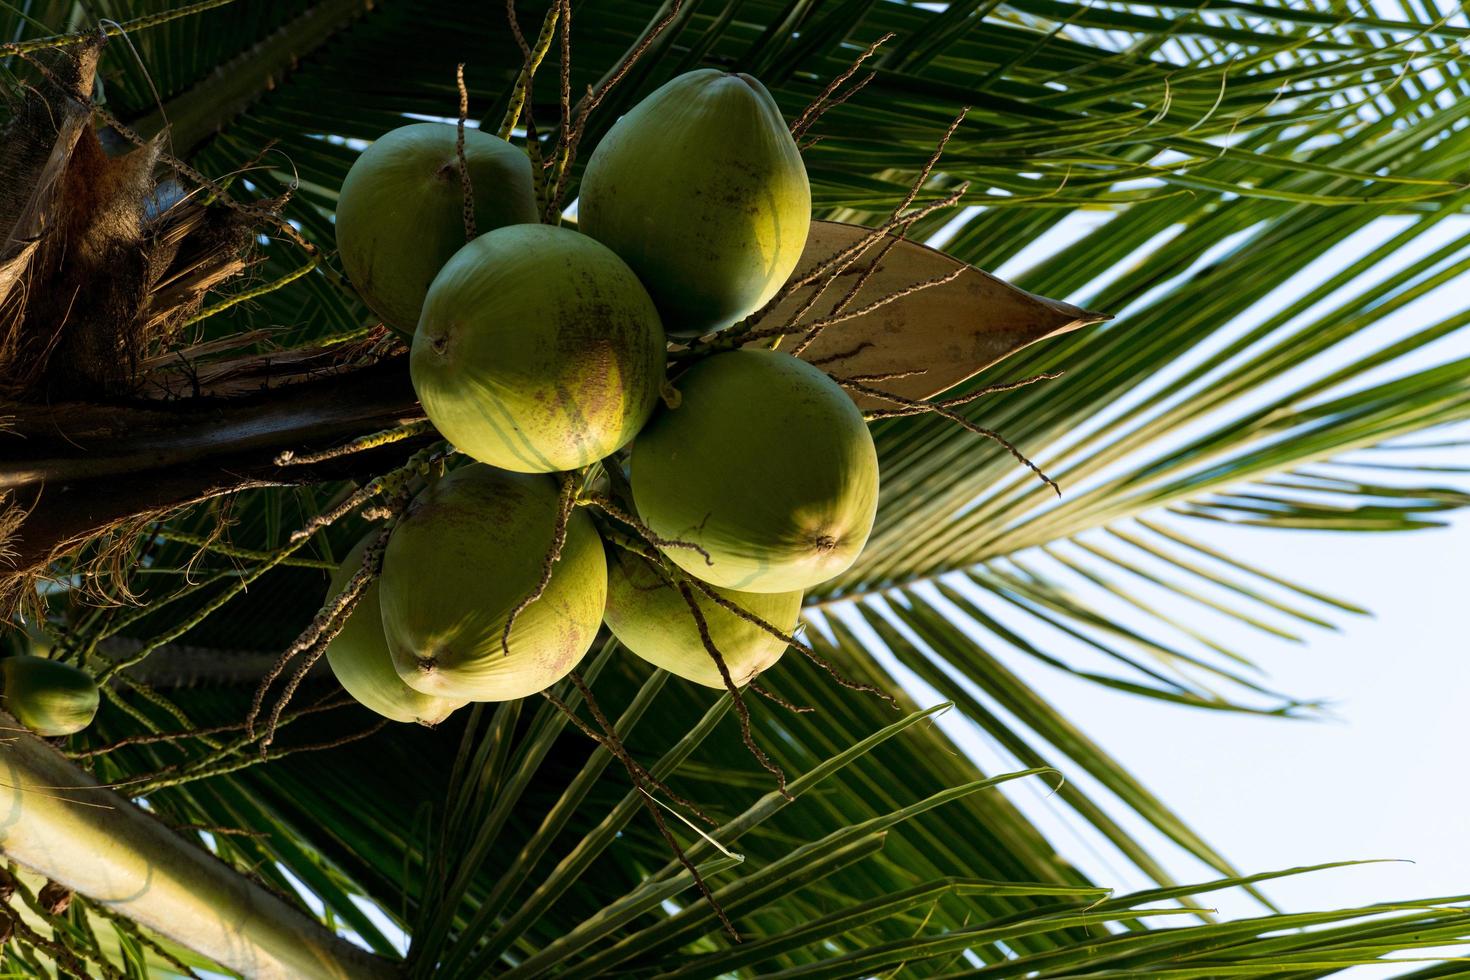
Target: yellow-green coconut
[(538, 350), (358, 656), (767, 465), (49, 697), (650, 617), (701, 189), (400, 214), (464, 555)]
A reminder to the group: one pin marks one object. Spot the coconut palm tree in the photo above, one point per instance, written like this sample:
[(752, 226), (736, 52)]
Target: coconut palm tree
[(190, 381)]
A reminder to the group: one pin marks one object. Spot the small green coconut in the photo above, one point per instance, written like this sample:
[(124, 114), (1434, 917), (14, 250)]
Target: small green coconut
[(358, 655), (767, 465), (469, 549), (701, 189), (400, 214), (538, 350), (650, 617), (49, 697)]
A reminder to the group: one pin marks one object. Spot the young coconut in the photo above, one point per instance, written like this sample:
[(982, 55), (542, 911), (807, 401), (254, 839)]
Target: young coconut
[(538, 351), (358, 655), (400, 214), (650, 617), (49, 697), (461, 561), (767, 465), (701, 189)]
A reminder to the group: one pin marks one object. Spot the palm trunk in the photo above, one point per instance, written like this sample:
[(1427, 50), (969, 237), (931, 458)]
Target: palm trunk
[(81, 468), (58, 822)]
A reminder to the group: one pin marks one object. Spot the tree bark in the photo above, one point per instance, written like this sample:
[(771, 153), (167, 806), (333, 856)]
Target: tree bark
[(81, 468), (58, 822)]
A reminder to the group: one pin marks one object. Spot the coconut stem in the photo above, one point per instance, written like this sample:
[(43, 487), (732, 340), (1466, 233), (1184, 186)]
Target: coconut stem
[(639, 776), (741, 711), (565, 502), (421, 463)]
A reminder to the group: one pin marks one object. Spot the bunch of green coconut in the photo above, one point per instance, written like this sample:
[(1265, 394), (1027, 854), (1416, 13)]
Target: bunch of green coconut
[(724, 488)]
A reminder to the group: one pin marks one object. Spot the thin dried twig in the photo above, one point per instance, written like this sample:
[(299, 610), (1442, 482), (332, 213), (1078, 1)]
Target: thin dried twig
[(806, 649), (887, 375), (611, 733), (738, 334), (921, 407), (841, 355), (637, 774), (565, 502), (862, 280), (360, 444), (815, 328), (466, 187), (741, 711), (606, 504), (313, 641), (775, 698), (955, 402), (154, 738), (567, 154), (826, 99)]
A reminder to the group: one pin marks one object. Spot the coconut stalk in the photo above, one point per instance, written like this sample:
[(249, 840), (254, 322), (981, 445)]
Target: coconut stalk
[(62, 824)]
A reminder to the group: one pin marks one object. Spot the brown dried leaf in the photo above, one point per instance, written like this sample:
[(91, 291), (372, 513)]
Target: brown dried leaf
[(947, 332)]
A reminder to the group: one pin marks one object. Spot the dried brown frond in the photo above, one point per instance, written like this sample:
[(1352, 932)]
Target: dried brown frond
[(103, 262)]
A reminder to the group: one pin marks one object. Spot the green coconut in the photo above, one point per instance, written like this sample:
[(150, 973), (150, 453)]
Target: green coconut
[(701, 189), (358, 655), (469, 549), (649, 616), (767, 465), (49, 697), (400, 215), (538, 350)]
